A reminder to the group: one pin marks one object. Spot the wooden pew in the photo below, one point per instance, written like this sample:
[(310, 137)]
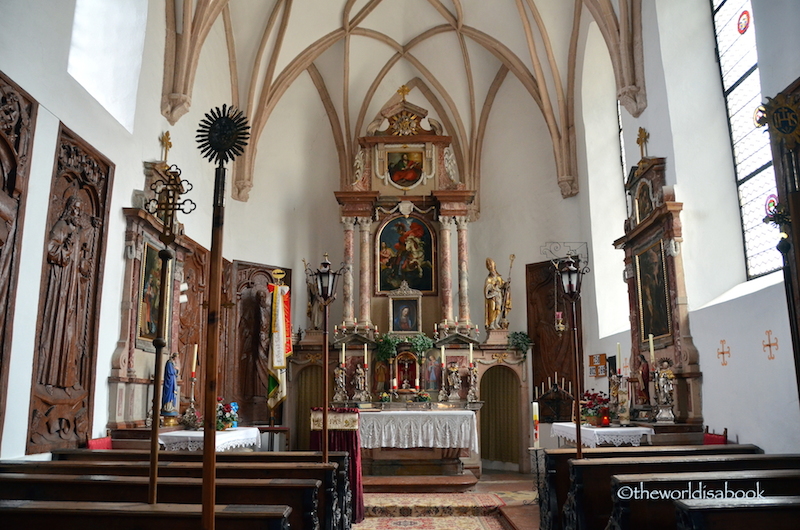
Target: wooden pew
[(342, 458), (329, 507), (300, 494), (556, 463), (135, 516), (775, 513), (589, 502), (647, 500)]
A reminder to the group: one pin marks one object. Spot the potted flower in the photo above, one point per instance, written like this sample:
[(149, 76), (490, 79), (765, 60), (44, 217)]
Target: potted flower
[(385, 397), (423, 396), (227, 414), (594, 405)]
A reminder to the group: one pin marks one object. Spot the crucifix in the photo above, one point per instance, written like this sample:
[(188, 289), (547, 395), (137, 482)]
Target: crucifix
[(403, 91), (166, 145), (722, 352)]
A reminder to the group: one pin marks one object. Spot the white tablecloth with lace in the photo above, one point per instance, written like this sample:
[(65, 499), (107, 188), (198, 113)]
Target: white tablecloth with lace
[(225, 440), (594, 436), (408, 429)]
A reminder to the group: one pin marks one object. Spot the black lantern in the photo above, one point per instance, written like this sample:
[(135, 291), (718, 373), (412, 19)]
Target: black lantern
[(326, 281), (571, 273)]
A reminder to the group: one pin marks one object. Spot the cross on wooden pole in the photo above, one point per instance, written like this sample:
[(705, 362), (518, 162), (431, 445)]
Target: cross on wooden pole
[(722, 352), (769, 344)]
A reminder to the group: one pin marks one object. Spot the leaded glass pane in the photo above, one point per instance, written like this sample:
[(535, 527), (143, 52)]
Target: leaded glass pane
[(737, 51), (759, 238)]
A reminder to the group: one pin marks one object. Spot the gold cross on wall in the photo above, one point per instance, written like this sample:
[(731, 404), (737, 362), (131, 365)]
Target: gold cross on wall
[(403, 91), (722, 352), (166, 145), (642, 139)]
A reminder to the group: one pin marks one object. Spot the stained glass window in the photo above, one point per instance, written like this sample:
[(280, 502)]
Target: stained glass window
[(738, 61)]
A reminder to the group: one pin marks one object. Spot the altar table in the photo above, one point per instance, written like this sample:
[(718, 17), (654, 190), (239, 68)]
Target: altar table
[(226, 440), (594, 436), (403, 429)]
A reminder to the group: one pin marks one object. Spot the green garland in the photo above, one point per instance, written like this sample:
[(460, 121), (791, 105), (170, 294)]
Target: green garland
[(387, 347), (420, 343), (519, 341)]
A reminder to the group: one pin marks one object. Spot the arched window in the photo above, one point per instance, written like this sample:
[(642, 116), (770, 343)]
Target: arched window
[(755, 179)]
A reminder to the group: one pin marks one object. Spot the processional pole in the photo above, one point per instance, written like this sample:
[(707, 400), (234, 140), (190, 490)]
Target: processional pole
[(222, 134), (168, 191)]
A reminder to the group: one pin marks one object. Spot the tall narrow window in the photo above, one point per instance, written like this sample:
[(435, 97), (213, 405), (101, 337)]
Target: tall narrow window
[(738, 61)]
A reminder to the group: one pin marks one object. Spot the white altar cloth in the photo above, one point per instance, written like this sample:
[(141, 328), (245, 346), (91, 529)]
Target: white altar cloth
[(408, 429), (225, 440), (594, 436)]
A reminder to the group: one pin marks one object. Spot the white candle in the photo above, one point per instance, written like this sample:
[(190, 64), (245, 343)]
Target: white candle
[(470, 353), (416, 383), (535, 425), (652, 352), (194, 360), (366, 360), (341, 357), (549, 384), (570, 387), (555, 378), (435, 327), (618, 353), (444, 357)]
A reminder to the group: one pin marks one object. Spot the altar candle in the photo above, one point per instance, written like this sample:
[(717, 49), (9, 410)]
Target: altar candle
[(652, 353), (570, 387), (535, 425), (618, 352), (555, 378), (435, 327), (366, 360), (194, 360), (341, 357), (416, 383), (549, 384), (336, 329), (444, 357), (470, 354)]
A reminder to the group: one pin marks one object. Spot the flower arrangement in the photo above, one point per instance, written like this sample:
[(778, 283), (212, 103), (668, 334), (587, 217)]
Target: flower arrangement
[(227, 414), (423, 396), (594, 403), (385, 397)]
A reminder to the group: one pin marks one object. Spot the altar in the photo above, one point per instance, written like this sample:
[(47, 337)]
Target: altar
[(227, 440), (595, 436), (424, 442)]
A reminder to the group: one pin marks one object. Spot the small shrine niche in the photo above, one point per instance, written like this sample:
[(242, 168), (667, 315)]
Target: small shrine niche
[(656, 290)]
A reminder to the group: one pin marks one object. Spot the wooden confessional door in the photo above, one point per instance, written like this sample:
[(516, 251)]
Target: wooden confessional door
[(500, 416), (16, 140), (553, 353)]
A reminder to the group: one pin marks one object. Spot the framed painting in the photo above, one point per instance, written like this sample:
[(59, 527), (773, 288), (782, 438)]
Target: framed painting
[(653, 292), (405, 167), (406, 252), (149, 293), (404, 315)]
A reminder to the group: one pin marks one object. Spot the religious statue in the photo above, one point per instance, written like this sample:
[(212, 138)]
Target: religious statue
[(643, 379), (454, 380), (497, 296), (314, 310), (664, 383), (360, 385), (255, 332), (339, 375), (59, 354), (169, 394)]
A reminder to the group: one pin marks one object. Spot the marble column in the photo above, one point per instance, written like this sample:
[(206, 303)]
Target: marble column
[(464, 323), (445, 277), (364, 276), (347, 275)]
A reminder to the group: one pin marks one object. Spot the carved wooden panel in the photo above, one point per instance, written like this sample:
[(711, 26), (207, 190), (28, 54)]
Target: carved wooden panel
[(552, 353), (72, 274), (243, 373), (191, 324), (17, 122)]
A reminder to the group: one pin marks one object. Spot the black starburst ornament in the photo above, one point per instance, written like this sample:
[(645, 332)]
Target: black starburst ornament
[(223, 134)]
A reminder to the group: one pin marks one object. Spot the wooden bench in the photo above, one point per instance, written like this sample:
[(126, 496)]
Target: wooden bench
[(342, 458), (300, 494), (647, 500), (589, 502), (556, 462), (329, 508), (135, 516), (774, 513)]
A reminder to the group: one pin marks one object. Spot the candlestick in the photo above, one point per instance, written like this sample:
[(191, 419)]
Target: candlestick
[(470, 353), (652, 353), (194, 361)]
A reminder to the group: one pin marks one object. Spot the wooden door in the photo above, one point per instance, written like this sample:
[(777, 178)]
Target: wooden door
[(553, 353)]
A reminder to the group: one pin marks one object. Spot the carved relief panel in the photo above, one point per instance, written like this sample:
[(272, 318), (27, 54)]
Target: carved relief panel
[(72, 273), (17, 121)]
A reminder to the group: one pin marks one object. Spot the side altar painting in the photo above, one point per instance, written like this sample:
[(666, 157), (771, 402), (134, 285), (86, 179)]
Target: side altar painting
[(406, 252), (651, 277)]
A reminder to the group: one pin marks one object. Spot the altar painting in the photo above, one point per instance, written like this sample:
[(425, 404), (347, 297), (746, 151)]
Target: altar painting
[(654, 303), (149, 293), (405, 167), (406, 252)]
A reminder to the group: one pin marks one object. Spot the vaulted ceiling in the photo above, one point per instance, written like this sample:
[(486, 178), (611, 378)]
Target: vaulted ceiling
[(454, 55)]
